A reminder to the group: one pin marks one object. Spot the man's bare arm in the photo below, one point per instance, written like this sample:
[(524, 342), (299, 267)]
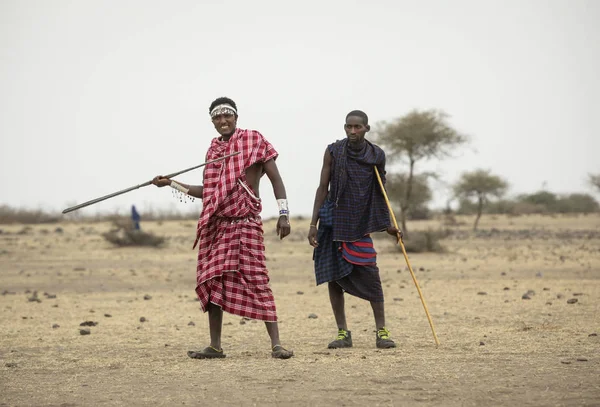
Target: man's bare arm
[(320, 197), (193, 190), (283, 224)]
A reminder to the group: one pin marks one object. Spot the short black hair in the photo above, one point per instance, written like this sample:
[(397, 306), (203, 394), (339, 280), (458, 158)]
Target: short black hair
[(359, 113), (221, 101)]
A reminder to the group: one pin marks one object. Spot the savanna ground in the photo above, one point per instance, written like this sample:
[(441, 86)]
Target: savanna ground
[(497, 349)]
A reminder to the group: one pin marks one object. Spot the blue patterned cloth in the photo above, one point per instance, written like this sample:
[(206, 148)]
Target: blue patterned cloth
[(359, 205), (355, 208)]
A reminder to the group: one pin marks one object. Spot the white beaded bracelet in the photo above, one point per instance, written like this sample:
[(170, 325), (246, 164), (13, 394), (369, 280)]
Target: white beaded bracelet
[(178, 187)]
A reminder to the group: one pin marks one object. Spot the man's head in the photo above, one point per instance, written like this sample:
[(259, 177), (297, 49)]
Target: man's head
[(223, 113), (357, 125)]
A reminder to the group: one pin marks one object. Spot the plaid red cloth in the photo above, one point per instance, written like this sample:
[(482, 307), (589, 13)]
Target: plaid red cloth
[(231, 271)]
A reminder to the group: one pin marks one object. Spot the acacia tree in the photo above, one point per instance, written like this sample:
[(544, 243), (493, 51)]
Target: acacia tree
[(420, 195), (480, 184), (416, 136), (594, 180)]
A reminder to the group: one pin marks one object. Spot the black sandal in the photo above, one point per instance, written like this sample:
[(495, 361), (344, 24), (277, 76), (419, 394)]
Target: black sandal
[(207, 353), (279, 352)]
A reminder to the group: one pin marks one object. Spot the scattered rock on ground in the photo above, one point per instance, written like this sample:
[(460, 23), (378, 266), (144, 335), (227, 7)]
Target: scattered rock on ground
[(312, 316), (572, 301), (85, 331), (147, 297)]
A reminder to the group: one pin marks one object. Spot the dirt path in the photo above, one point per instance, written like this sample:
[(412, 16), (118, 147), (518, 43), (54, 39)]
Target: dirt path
[(497, 348)]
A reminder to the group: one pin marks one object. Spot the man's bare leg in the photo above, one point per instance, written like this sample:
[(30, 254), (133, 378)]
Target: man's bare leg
[(277, 351), (336, 297), (273, 331), (215, 323), (379, 314), (384, 340)]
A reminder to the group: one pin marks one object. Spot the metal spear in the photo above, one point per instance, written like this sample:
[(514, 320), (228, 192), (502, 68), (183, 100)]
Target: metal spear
[(145, 184)]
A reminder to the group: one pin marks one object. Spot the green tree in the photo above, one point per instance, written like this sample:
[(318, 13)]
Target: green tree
[(420, 196), (594, 180), (480, 184), (414, 137)]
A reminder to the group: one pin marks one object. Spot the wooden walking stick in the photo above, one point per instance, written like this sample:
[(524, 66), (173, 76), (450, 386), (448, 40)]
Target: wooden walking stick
[(412, 273), (145, 184)]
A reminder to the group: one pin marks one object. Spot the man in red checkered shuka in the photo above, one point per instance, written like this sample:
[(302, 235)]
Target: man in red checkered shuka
[(231, 273)]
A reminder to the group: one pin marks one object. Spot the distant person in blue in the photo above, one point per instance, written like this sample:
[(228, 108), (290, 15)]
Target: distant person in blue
[(135, 218)]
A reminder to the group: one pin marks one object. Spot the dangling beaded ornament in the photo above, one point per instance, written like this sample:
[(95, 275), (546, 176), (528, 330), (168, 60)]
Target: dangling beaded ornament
[(181, 193), (182, 197)]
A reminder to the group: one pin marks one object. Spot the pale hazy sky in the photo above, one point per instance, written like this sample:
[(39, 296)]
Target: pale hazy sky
[(97, 96)]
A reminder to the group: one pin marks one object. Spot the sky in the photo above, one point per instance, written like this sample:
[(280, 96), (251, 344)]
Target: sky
[(98, 96)]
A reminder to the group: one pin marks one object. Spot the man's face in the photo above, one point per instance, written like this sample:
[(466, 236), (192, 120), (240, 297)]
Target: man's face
[(355, 129), (225, 123)]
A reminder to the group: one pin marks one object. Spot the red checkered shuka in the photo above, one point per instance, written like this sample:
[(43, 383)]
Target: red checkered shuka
[(231, 270)]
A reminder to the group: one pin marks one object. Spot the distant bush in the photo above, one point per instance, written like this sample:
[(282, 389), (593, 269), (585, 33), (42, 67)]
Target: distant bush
[(542, 202), (424, 241), (123, 234), (26, 216)]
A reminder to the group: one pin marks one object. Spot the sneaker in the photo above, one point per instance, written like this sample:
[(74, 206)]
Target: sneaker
[(344, 340), (383, 339)]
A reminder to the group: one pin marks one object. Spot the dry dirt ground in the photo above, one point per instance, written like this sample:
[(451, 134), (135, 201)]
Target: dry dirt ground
[(497, 349)]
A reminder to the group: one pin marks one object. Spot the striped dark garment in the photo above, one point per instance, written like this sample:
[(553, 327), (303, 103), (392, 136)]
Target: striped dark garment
[(359, 205), (355, 208)]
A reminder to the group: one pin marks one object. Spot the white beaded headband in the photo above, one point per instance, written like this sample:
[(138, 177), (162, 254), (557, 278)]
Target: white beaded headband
[(222, 109)]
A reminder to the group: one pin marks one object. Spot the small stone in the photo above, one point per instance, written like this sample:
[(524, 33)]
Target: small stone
[(398, 299), (577, 294), (88, 323), (506, 288), (108, 315), (191, 323), (525, 297), (481, 343), (147, 297), (421, 268), (242, 322), (582, 360), (54, 326), (481, 293), (166, 344), (143, 319), (565, 362), (503, 273), (572, 301), (10, 364), (299, 292), (559, 296), (58, 230), (549, 303), (85, 331), (538, 274), (594, 334), (51, 296), (364, 357), (546, 289), (312, 316)]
